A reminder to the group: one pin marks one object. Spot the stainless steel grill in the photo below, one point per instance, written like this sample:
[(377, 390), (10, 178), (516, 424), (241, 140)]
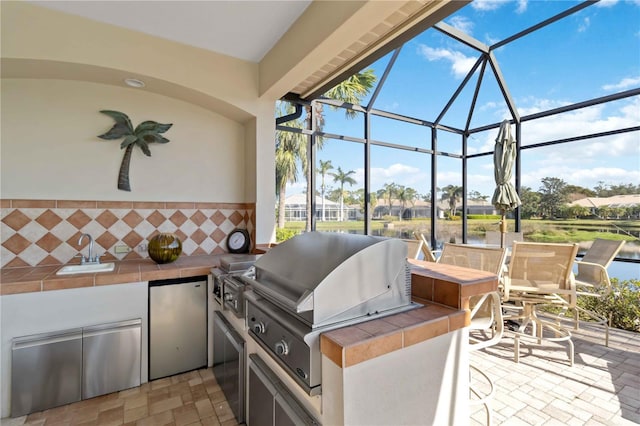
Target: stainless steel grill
[(227, 288), (319, 281)]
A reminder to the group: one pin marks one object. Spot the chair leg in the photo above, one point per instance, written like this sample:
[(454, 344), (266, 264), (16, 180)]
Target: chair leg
[(485, 399), (571, 352), (599, 320)]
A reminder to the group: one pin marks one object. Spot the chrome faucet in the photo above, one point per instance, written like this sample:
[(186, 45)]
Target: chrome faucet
[(88, 259)]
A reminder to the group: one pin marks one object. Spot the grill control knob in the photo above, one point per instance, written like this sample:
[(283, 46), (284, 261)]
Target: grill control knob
[(228, 297), (282, 348), (259, 327)]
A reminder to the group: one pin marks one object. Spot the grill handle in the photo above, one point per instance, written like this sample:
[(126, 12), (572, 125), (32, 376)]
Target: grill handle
[(305, 303)]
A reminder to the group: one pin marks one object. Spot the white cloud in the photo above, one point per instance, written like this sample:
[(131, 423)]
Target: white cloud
[(460, 64), (625, 83), (462, 23), (586, 23), (450, 177), (582, 176), (391, 107), (491, 41), (401, 174), (589, 120), (487, 4), (606, 3)]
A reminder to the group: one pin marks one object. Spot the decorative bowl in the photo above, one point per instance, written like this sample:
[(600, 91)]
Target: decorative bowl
[(165, 248)]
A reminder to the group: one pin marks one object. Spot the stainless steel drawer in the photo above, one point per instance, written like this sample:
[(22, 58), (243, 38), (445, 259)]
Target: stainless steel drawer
[(111, 357), (46, 371)]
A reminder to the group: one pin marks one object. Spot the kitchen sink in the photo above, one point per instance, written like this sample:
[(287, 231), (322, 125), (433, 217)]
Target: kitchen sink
[(86, 269)]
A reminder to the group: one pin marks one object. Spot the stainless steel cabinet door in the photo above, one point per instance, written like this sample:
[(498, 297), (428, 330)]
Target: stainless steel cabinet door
[(46, 371), (270, 402), (111, 357), (261, 394), (229, 363)]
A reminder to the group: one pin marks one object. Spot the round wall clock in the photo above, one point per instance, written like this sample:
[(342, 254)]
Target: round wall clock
[(238, 241)]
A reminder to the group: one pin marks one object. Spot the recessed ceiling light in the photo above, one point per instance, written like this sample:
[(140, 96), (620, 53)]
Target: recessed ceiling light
[(133, 82)]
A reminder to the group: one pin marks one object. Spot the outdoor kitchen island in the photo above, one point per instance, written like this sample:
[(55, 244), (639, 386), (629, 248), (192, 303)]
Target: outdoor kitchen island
[(362, 336), (409, 368)]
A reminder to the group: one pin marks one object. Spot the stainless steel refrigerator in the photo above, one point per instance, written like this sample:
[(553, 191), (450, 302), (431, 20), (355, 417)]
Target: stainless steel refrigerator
[(177, 326)]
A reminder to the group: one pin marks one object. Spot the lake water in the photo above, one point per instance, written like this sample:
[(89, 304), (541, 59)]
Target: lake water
[(624, 271)]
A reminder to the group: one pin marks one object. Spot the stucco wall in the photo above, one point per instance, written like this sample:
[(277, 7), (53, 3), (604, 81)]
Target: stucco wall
[(69, 68), (50, 148)]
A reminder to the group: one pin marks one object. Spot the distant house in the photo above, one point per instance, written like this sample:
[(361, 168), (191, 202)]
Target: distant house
[(628, 201), (422, 209), (295, 209), (473, 207), (411, 211)]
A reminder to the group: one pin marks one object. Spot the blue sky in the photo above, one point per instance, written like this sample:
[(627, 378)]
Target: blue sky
[(593, 53)]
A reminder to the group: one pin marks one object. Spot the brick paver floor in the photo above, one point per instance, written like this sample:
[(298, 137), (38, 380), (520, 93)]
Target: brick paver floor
[(602, 387)]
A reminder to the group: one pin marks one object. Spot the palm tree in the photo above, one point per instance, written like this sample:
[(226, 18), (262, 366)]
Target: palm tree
[(411, 196), (402, 195), (388, 193), (145, 133), (325, 166), (286, 170), (351, 90), (452, 194), (343, 177)]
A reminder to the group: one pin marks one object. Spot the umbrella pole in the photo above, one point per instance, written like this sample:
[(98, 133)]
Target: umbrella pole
[(503, 229)]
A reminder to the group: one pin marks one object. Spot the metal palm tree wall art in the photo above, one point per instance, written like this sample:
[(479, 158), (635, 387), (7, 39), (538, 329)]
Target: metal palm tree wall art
[(145, 133)]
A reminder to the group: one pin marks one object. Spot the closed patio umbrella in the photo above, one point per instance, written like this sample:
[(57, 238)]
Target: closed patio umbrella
[(505, 198)]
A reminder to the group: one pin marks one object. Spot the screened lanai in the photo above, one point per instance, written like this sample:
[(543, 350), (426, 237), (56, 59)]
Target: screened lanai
[(567, 80)]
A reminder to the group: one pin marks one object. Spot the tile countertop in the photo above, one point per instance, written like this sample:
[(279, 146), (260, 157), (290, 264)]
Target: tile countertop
[(443, 290), (44, 278)]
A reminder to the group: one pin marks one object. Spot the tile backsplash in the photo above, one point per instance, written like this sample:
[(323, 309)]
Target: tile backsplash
[(46, 232)]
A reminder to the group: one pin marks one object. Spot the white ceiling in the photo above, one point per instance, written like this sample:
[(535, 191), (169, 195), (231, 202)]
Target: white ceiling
[(243, 29)]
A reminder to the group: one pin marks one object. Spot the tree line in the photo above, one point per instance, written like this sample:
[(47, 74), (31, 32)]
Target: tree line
[(551, 200), (554, 195)]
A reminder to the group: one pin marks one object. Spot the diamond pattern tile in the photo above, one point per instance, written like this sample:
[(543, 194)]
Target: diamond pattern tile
[(198, 236), (132, 239), (49, 242), (16, 244), (16, 220), (106, 240), (218, 236), (218, 218), (178, 218), (132, 219), (236, 218), (106, 219), (79, 219), (33, 236), (48, 219), (198, 218), (156, 219)]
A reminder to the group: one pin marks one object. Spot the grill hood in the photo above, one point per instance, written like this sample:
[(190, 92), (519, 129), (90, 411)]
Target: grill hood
[(325, 278)]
